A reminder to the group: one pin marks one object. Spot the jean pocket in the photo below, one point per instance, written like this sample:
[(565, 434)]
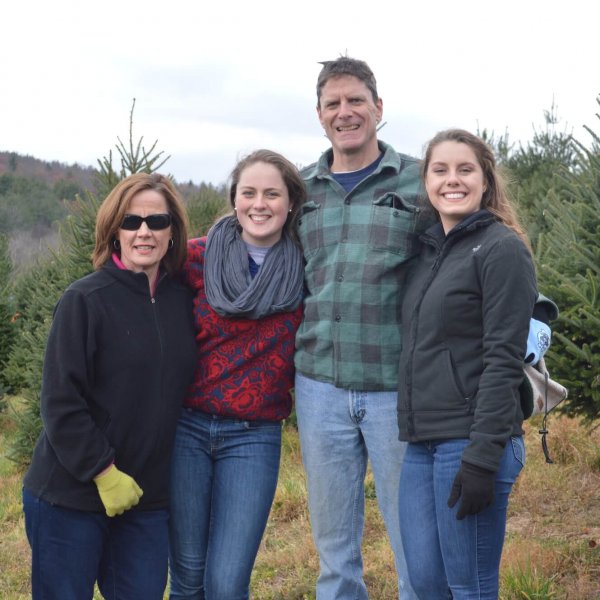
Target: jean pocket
[(518, 447)]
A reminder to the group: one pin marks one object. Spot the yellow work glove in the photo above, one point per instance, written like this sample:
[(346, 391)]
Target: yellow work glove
[(117, 490)]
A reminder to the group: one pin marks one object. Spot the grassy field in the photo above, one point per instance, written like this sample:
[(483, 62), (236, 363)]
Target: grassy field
[(551, 550)]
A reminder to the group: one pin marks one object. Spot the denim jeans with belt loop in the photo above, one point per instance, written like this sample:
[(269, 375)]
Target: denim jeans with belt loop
[(223, 481), (340, 430), (448, 558)]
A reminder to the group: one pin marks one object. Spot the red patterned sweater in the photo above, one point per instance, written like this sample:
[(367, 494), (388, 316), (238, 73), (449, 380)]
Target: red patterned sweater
[(245, 368)]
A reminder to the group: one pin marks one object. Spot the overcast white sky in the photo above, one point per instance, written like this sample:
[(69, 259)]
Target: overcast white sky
[(215, 79)]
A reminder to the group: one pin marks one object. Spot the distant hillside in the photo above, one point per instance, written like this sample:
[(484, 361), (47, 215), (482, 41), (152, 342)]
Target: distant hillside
[(48, 172), (69, 177), (35, 197)]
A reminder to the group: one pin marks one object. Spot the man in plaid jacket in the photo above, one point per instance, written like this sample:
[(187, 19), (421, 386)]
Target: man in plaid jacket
[(358, 231)]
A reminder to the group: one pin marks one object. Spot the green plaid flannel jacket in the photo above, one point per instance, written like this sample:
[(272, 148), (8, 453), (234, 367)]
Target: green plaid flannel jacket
[(356, 247)]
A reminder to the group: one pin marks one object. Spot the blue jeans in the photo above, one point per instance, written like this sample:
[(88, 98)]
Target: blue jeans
[(223, 480), (340, 430), (448, 558), (72, 549)]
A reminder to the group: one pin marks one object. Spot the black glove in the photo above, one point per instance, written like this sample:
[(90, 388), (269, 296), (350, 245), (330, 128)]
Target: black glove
[(476, 486)]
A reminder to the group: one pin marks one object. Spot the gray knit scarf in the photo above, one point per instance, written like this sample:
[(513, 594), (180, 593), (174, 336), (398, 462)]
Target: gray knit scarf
[(231, 291)]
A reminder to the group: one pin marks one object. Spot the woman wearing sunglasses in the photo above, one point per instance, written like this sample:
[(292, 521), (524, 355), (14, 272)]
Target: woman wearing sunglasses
[(119, 357), (248, 279)]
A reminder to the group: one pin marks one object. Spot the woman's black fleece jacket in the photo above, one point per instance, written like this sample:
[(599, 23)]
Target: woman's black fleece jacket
[(116, 368), (465, 320)]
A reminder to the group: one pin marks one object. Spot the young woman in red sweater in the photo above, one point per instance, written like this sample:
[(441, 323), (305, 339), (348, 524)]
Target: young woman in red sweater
[(247, 275)]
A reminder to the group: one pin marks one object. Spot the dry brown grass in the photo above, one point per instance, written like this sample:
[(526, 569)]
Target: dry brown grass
[(551, 550), (14, 549), (553, 529)]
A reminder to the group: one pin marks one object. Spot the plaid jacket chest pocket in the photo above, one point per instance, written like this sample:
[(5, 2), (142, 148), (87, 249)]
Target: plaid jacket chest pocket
[(393, 225), (319, 226)]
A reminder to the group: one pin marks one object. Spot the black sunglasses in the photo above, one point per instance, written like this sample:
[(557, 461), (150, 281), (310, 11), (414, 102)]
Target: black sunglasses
[(154, 222)]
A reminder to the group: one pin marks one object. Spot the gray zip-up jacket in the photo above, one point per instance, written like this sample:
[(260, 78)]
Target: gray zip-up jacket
[(465, 320)]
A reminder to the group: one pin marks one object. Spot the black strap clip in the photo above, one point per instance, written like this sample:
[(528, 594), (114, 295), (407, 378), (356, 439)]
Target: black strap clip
[(544, 431)]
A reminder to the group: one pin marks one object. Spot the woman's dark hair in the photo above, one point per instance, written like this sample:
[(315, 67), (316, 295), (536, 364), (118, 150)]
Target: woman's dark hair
[(291, 178)]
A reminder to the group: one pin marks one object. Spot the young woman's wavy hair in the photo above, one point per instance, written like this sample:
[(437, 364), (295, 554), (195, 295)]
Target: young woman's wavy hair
[(114, 207), (291, 178), (495, 198)]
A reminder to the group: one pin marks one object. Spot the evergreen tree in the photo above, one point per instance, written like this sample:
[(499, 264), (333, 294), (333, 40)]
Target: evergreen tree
[(37, 292), (205, 208), (555, 182), (536, 168), (569, 272), (133, 158), (7, 314), (36, 295)]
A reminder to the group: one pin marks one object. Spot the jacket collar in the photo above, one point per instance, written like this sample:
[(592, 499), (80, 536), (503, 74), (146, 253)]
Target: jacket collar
[(482, 218), (391, 160), (138, 282)]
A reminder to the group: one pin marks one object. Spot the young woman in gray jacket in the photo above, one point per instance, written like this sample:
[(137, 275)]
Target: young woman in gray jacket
[(465, 321)]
